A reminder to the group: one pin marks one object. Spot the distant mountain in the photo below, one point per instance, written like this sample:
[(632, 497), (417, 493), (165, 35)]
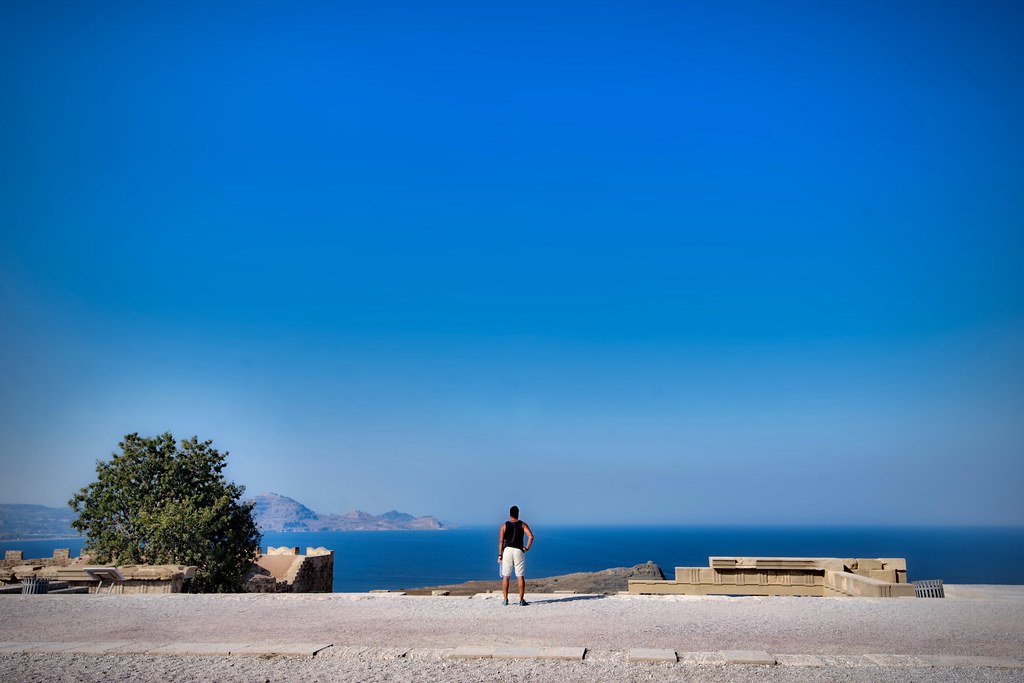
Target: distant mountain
[(274, 512), (278, 513), (27, 522), (396, 516)]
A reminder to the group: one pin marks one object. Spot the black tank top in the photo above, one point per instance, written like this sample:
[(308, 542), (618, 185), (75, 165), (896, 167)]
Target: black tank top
[(514, 535)]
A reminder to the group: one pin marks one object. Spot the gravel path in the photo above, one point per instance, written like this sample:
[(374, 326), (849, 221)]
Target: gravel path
[(386, 637)]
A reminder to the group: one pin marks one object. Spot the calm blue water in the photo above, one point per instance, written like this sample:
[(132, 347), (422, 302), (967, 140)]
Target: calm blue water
[(365, 560)]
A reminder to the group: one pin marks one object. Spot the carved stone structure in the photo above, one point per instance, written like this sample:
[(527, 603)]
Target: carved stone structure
[(786, 575), (812, 576), (76, 573), (281, 570), (284, 570)]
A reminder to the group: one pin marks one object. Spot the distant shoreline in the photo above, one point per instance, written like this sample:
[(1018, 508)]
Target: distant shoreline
[(332, 531)]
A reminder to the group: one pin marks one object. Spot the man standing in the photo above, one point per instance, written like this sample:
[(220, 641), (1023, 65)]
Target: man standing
[(511, 553)]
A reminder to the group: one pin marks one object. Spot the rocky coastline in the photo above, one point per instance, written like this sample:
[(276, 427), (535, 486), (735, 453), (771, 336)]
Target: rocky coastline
[(606, 582)]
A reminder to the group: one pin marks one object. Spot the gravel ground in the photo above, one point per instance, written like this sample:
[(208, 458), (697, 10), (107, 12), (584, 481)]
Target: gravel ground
[(386, 637), (430, 667)]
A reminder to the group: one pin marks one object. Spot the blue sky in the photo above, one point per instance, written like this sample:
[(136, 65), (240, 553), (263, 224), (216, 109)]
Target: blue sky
[(613, 262)]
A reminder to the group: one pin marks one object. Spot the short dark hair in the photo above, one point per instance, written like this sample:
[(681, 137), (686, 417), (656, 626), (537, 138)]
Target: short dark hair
[(514, 512)]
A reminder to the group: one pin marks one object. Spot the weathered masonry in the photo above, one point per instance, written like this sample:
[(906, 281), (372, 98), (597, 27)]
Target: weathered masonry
[(810, 576), (284, 570), (65, 574)]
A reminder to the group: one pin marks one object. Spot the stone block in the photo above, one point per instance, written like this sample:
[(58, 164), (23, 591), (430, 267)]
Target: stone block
[(897, 563), (701, 658), (62, 554), (856, 585), (568, 653), (887, 575), (14, 555), (645, 654), (759, 657), (283, 550), (440, 593), (863, 565), (785, 563)]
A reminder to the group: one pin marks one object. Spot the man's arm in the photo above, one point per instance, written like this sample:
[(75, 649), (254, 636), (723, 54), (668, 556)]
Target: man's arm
[(529, 536), (501, 540)]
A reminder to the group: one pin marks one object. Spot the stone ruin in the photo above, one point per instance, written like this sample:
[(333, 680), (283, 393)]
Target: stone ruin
[(284, 570), (281, 570), (65, 574), (811, 576)]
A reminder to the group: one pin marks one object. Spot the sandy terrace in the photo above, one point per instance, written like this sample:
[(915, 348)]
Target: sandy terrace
[(387, 637)]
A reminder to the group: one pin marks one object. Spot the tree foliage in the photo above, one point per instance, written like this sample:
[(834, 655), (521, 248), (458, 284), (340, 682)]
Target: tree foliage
[(160, 502)]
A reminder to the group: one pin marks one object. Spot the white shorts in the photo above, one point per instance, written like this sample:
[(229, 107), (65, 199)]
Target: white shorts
[(513, 557)]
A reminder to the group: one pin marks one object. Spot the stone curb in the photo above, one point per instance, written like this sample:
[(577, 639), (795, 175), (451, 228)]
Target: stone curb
[(578, 654), (643, 654), (166, 649), (512, 652), (753, 657)]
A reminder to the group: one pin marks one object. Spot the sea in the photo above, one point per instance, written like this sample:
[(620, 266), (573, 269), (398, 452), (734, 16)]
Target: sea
[(371, 560)]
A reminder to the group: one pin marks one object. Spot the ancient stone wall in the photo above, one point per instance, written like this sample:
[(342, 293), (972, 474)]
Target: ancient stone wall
[(283, 570), (61, 558), (316, 573)]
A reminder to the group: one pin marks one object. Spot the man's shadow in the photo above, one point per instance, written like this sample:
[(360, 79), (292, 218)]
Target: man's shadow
[(567, 598)]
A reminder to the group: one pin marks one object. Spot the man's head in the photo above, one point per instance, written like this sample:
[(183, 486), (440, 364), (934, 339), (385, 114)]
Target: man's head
[(513, 512)]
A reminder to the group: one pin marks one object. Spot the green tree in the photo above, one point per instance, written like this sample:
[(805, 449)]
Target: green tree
[(158, 502)]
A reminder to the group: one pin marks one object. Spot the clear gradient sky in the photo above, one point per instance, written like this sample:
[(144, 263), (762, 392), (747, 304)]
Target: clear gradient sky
[(615, 262)]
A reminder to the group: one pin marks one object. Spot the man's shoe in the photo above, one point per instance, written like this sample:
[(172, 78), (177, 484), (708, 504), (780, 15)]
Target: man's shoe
[(522, 603), (505, 602)]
